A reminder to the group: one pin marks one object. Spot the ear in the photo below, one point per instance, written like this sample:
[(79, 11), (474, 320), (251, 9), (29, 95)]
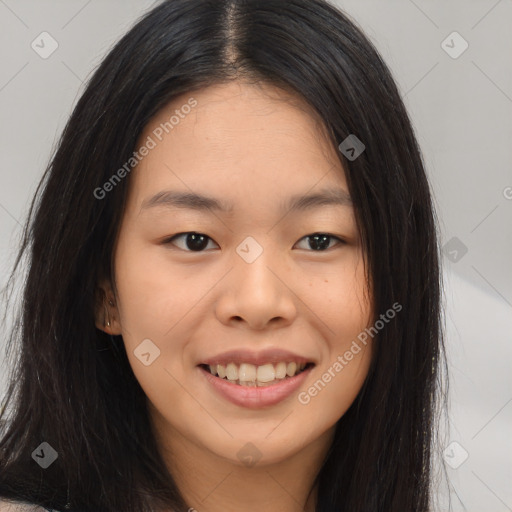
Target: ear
[(106, 310)]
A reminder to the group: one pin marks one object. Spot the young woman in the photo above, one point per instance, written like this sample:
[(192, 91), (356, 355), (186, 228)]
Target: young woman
[(232, 298)]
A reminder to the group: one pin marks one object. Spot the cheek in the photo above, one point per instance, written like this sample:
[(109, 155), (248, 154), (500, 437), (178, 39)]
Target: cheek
[(344, 306), (334, 389), (341, 300), (153, 295), (154, 300)]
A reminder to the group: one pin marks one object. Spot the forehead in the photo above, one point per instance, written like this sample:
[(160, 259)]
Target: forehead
[(238, 140)]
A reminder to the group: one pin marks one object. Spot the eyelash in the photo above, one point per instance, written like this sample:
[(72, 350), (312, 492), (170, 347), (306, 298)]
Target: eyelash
[(170, 240)]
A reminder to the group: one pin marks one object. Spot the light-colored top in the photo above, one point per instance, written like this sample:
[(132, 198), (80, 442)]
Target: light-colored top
[(17, 506)]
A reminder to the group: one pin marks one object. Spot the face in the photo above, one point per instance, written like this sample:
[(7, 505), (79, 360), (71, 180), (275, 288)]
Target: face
[(221, 267)]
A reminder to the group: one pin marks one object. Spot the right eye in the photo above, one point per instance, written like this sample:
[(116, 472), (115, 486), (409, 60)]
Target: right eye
[(193, 242)]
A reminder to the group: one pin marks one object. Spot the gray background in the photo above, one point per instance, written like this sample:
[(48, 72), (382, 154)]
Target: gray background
[(462, 112)]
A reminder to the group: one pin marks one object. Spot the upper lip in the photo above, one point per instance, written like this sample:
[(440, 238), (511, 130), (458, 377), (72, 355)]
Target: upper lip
[(256, 358)]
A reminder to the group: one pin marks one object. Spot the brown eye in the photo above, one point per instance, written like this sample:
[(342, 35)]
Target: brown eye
[(194, 242), (320, 242)]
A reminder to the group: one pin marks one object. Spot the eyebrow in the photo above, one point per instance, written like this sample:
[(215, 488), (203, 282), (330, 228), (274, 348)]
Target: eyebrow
[(296, 203)]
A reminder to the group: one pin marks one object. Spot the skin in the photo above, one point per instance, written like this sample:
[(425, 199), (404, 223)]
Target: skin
[(255, 146)]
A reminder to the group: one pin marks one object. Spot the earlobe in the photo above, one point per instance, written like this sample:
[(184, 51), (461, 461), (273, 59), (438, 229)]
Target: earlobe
[(106, 313)]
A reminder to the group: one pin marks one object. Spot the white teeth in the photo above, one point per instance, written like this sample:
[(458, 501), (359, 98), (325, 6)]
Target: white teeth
[(280, 370), (232, 371), (266, 373), (263, 384), (291, 368), (247, 374)]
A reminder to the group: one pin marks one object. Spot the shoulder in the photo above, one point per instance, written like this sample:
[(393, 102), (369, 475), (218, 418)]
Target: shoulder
[(17, 506)]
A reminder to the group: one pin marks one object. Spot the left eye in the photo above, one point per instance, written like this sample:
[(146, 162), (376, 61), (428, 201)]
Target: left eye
[(321, 241), (197, 242)]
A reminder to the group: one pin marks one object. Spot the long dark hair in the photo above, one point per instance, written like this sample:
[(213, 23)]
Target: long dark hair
[(71, 384)]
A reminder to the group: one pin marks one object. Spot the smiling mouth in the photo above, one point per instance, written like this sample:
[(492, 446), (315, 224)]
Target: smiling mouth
[(256, 376)]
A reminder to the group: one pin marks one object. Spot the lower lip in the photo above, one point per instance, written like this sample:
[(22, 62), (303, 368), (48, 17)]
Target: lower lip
[(256, 397)]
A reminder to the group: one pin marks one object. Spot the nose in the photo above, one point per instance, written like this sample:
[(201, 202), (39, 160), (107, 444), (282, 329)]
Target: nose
[(259, 294)]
